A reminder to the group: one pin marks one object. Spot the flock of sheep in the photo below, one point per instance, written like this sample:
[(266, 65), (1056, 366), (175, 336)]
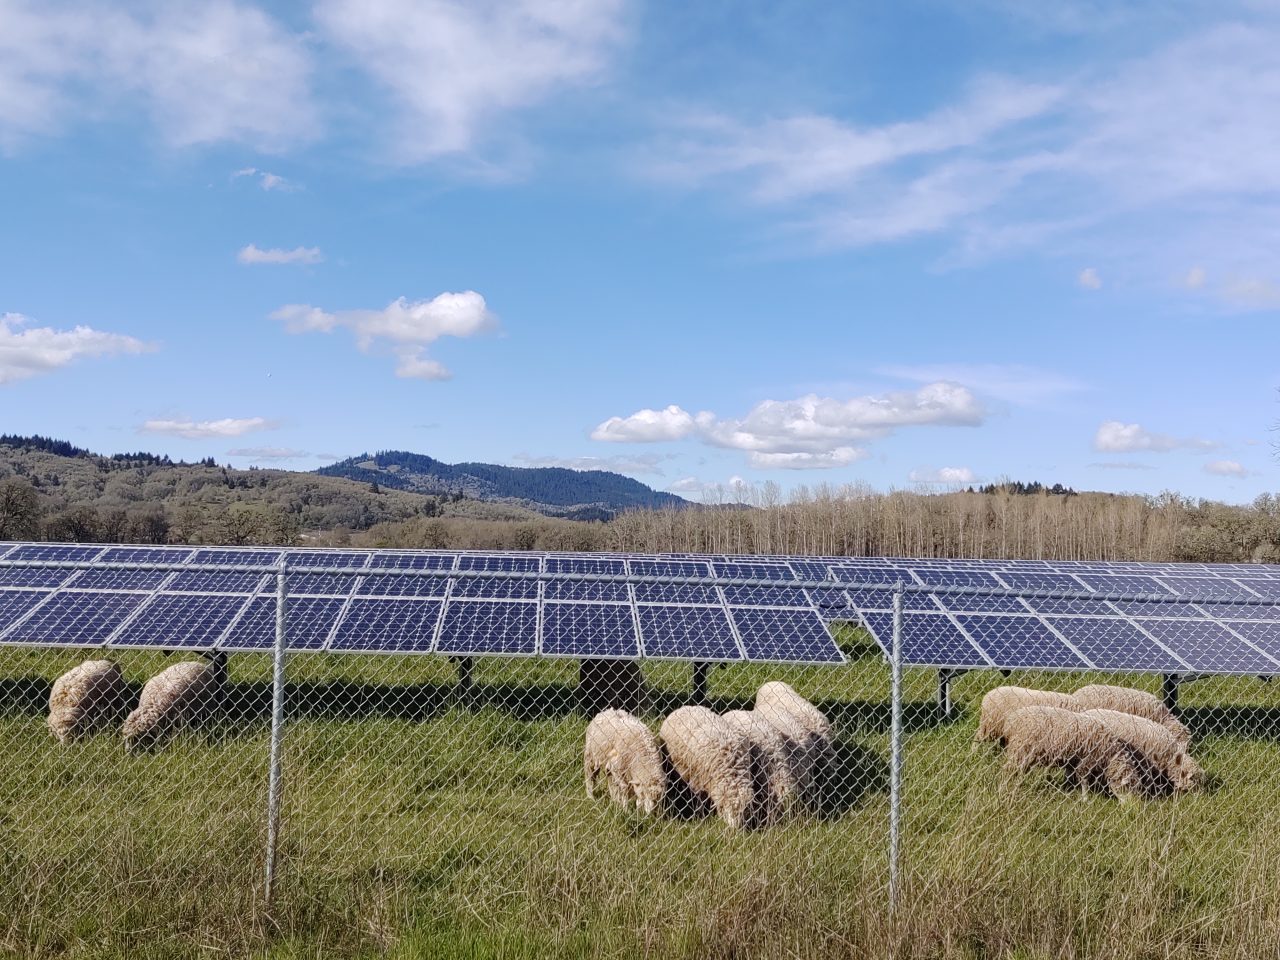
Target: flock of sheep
[(1111, 739), (749, 767), (94, 695)]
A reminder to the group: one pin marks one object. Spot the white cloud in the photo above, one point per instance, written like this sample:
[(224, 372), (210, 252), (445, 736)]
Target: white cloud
[(1116, 437), (205, 72), (1195, 278), (267, 180), (645, 463), (946, 476), (687, 485), (453, 66), (408, 327), (252, 254), (808, 433), (1090, 279), (27, 351), (268, 453), (201, 429), (1226, 468), (1014, 383)]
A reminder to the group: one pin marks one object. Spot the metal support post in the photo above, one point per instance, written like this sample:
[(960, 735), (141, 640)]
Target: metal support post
[(466, 665), (1169, 690), (945, 676), (277, 734), (700, 686), (895, 748)]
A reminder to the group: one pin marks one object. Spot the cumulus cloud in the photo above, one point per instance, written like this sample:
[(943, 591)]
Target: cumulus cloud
[(1090, 279), (201, 429), (453, 65), (253, 254), (946, 476), (811, 432), (27, 351), (267, 180), (645, 463), (1226, 468), (1116, 437), (205, 72), (405, 327), (268, 453)]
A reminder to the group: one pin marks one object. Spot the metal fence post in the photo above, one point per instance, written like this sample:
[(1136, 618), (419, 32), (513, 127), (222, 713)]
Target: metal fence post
[(277, 734), (895, 748)]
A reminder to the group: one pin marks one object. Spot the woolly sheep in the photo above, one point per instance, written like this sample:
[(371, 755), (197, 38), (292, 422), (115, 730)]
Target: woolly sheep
[(718, 762), (1168, 765), (1102, 696), (180, 696), (86, 698), (621, 747), (1046, 736), (806, 726), (780, 759), (1001, 702)]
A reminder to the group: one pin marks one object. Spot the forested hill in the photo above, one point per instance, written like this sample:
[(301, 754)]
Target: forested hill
[(546, 489)]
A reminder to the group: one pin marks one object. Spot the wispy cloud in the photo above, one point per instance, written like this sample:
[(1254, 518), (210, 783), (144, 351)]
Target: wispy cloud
[(1013, 383), (252, 254), (1090, 279), (267, 180), (268, 453), (1116, 437), (406, 327), (202, 429), (643, 464), (943, 476), (27, 351), (1226, 468)]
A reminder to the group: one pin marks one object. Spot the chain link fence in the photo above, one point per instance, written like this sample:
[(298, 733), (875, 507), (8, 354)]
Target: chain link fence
[(360, 803)]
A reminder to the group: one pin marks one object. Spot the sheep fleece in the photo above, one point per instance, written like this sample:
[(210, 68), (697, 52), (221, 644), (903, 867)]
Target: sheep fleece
[(85, 698), (174, 698), (1045, 736), (805, 725), (1001, 702), (1168, 759), (779, 759), (1103, 696), (716, 760), (625, 749)]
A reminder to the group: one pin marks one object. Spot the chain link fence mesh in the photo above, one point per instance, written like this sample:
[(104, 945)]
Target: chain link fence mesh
[(436, 805)]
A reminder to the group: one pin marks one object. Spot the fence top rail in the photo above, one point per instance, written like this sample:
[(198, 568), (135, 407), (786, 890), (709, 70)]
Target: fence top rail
[(901, 586)]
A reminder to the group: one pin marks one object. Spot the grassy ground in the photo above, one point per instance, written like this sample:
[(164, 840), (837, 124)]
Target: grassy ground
[(417, 825)]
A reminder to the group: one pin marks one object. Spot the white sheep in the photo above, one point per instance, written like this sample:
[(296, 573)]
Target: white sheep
[(625, 750), (1001, 702), (1103, 696), (86, 698), (806, 726), (178, 697), (1167, 764), (1082, 746), (718, 762), (781, 760)]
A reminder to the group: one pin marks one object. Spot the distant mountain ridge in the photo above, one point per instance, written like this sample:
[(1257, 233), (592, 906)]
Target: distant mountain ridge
[(554, 491)]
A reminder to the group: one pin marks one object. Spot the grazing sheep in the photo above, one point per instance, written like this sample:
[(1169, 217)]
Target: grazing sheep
[(718, 762), (999, 703), (86, 698), (806, 726), (626, 751), (1103, 696), (180, 696), (780, 760), (1045, 736), (1167, 764)]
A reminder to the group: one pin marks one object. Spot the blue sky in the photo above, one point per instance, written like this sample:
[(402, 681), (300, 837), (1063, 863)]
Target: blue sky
[(910, 245)]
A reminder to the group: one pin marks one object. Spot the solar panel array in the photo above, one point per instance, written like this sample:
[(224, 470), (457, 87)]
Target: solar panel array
[(672, 606), (554, 605)]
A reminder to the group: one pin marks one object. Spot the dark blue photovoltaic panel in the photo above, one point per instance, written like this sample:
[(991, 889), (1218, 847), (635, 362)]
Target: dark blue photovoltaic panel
[(76, 619), (958, 578), (220, 582), (321, 584), (589, 630), (811, 569), (14, 603), (1019, 642), (120, 579), (1116, 645), (413, 561), (832, 602), (980, 603), (778, 634), (1263, 635), (239, 558), (1269, 589), (766, 596), (389, 585), (180, 621), (687, 633), (883, 600), (1093, 608), (927, 639), (309, 620), (1021, 580), (1140, 608), (34, 576), (608, 590), (496, 626), (1209, 647), (1241, 611), (880, 576), (404, 626), (61, 552), (506, 589), (1122, 583), (145, 555), (1202, 587), (752, 570), (675, 592), (325, 558)]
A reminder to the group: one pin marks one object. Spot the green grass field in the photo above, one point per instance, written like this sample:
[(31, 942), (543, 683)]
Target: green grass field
[(420, 825)]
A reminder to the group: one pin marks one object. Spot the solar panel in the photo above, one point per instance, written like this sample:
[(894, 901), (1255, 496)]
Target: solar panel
[(388, 626), (499, 627), (308, 623), (687, 633), (180, 621), (589, 630)]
